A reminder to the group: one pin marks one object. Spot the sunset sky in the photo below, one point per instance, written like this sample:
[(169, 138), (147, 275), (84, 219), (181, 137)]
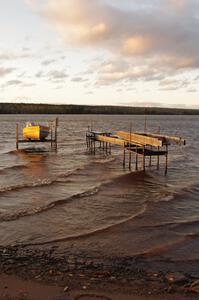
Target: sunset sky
[(117, 52)]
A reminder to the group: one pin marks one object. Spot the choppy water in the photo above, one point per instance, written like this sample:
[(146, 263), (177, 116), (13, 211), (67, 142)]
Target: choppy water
[(47, 196)]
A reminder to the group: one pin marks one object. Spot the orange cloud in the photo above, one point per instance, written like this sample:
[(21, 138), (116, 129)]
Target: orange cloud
[(137, 45), (155, 37)]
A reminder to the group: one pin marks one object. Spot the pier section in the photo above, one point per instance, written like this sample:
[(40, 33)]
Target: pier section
[(134, 144)]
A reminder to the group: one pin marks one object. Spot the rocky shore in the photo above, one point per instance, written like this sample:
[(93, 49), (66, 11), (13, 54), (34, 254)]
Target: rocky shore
[(132, 275)]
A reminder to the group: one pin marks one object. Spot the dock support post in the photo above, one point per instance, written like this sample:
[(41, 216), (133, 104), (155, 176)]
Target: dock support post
[(86, 141), (94, 144), (158, 160), (124, 156), (51, 137), (130, 147), (150, 159), (136, 158), (109, 148), (17, 136), (129, 157), (143, 158), (91, 145), (56, 125), (166, 163)]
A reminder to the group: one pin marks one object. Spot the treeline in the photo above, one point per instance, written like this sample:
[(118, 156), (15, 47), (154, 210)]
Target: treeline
[(23, 108)]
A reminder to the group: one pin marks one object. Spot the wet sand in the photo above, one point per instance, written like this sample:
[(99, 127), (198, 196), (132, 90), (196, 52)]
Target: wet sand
[(96, 266), (13, 288), (102, 265), (54, 273)]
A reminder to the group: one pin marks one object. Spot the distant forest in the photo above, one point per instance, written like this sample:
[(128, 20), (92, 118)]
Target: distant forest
[(22, 108)]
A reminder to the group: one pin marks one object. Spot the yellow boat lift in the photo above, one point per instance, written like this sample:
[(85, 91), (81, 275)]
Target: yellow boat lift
[(36, 133)]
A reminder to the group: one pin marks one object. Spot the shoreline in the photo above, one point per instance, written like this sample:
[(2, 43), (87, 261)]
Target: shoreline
[(63, 273)]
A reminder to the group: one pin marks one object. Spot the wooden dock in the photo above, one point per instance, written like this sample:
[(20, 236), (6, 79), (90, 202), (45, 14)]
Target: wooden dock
[(52, 140), (137, 144)]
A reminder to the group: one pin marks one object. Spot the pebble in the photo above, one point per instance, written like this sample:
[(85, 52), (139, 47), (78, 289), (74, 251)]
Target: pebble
[(66, 288), (176, 278)]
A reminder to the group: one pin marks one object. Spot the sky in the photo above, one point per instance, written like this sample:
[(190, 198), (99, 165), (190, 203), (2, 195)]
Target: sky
[(100, 52)]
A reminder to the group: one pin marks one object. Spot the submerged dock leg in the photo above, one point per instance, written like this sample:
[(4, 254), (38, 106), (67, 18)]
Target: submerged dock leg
[(166, 163), (51, 137), (94, 146), (143, 159), (158, 160), (17, 137), (129, 157), (150, 159), (136, 158), (109, 148), (124, 157), (56, 125)]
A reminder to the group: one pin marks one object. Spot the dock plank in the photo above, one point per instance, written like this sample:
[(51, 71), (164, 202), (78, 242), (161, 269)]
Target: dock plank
[(140, 139)]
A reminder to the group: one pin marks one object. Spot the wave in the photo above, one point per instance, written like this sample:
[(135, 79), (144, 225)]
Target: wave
[(27, 150), (39, 210), (104, 160), (83, 235), (165, 247), (14, 167), (43, 182), (174, 225), (40, 183)]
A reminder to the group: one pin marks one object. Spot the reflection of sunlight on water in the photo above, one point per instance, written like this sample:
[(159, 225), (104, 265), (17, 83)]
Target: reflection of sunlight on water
[(37, 165)]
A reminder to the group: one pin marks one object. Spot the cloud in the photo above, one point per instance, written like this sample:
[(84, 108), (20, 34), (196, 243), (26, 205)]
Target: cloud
[(157, 37), (158, 30), (79, 79), (5, 71), (137, 45), (56, 76), (173, 84), (39, 74), (16, 82), (117, 70), (13, 56), (192, 90), (13, 82), (47, 62)]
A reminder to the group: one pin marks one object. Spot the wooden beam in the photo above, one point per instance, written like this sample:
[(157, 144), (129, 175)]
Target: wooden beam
[(108, 139), (165, 138), (140, 139)]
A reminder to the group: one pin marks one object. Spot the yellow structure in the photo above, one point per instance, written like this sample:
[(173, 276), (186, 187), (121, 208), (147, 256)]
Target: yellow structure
[(35, 132)]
